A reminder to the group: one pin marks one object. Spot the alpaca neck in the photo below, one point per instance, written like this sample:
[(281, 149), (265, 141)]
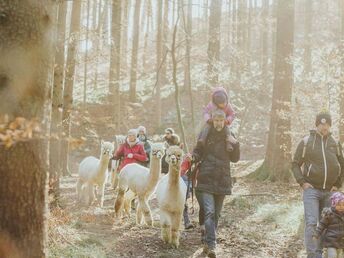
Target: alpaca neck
[(173, 173), (154, 172), (103, 164)]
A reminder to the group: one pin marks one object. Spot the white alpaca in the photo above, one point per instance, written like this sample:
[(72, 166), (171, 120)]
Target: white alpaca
[(171, 194), (93, 171), (142, 182)]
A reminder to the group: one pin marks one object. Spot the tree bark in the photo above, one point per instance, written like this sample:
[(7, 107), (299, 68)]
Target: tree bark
[(214, 41), (136, 36), (145, 44), (158, 64), (308, 36), (124, 37), (88, 8), (57, 103), (165, 41), (278, 155), (115, 61), (341, 104), (26, 62), (69, 83)]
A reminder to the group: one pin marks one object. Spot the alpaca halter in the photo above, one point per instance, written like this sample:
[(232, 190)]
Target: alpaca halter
[(156, 152)]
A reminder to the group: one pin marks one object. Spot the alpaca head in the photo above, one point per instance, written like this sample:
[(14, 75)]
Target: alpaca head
[(107, 149), (174, 156), (158, 150)]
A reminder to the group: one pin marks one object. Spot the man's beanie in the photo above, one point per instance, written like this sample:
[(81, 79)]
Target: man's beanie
[(322, 118), (219, 98)]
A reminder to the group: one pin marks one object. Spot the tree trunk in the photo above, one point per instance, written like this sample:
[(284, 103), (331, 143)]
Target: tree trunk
[(148, 11), (308, 36), (136, 36), (278, 154), (175, 82), (265, 35), (99, 38), (69, 83), (88, 8), (124, 37), (57, 104), (25, 66), (341, 121), (158, 64), (214, 41), (187, 67), (165, 41), (115, 61)]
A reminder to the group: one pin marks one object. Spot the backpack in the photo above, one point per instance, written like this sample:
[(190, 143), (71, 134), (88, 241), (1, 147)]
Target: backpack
[(305, 145)]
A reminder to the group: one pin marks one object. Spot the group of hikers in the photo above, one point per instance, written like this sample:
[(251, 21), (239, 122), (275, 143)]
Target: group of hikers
[(318, 166)]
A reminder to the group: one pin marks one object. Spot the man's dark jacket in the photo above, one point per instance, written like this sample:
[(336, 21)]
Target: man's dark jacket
[(323, 163), (214, 172)]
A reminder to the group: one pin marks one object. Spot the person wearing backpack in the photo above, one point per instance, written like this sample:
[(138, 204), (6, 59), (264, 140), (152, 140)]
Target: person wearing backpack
[(318, 167), (213, 181)]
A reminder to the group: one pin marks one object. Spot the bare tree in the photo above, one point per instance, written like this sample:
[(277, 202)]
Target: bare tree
[(88, 9), (214, 41), (115, 61), (124, 36), (136, 37), (341, 121), (69, 82), (25, 67), (159, 60), (278, 154), (308, 36), (57, 102)]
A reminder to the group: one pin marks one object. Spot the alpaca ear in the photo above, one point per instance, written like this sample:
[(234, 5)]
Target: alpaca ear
[(102, 142)]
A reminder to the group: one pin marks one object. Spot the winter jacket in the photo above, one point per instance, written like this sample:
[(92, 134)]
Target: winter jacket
[(211, 107), (331, 228), (322, 162), (147, 146), (137, 150), (214, 171)]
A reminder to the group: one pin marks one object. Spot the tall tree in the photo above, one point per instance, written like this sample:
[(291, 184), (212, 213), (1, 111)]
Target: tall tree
[(214, 41), (136, 37), (115, 61), (265, 35), (308, 36), (165, 40), (69, 82), (187, 67), (25, 67), (278, 154), (341, 121), (88, 9), (57, 102), (159, 61), (124, 36), (148, 10)]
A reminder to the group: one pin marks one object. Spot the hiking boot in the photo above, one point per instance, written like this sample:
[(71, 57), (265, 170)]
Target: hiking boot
[(189, 226), (211, 253)]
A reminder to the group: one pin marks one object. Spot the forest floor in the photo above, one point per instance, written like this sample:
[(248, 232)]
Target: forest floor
[(260, 219)]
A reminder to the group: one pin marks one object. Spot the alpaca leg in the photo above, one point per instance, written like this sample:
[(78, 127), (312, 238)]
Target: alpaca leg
[(119, 202), (79, 190), (127, 206), (165, 227), (146, 210), (114, 181), (175, 224), (138, 214), (101, 194), (90, 193)]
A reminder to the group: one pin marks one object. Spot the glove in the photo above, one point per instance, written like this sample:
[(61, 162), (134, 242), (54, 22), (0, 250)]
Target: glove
[(130, 156)]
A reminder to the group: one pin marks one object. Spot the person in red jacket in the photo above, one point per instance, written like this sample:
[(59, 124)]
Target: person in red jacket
[(131, 151)]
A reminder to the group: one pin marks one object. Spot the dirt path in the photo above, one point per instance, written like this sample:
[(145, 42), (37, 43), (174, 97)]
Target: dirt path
[(259, 220)]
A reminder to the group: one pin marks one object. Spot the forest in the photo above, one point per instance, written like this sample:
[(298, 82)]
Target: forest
[(77, 76)]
